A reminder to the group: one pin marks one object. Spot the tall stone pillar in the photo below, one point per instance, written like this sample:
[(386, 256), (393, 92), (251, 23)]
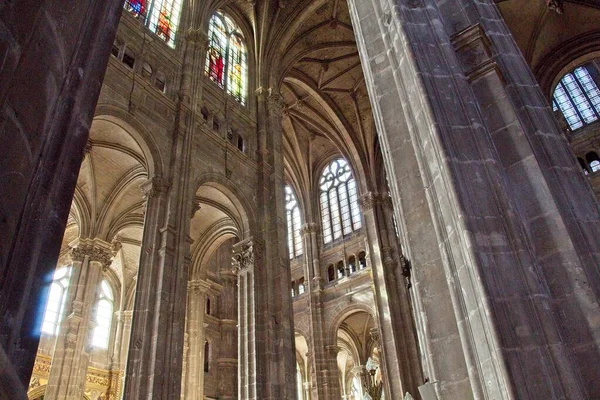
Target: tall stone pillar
[(497, 219), (274, 321), (121, 346), (246, 255), (227, 360), (194, 376), (334, 387), (50, 81), (398, 345), (155, 357), (72, 351), (324, 381)]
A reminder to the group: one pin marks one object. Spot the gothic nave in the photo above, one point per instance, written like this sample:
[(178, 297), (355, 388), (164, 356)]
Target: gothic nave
[(300, 199)]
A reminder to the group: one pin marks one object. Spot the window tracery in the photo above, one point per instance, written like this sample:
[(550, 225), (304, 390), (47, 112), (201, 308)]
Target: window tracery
[(160, 16), (56, 301), (578, 98), (293, 223), (103, 316), (226, 58), (339, 201)]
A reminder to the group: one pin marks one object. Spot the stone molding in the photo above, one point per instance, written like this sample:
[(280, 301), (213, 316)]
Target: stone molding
[(95, 249)]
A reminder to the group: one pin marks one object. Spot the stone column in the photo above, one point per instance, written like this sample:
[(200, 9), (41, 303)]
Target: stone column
[(400, 358), (334, 387), (246, 255), (48, 93), (324, 382), (72, 351), (497, 219), (121, 348), (275, 324), (194, 376), (227, 360)]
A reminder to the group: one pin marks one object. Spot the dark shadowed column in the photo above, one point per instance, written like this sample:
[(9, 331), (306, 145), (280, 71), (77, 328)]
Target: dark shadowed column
[(53, 55)]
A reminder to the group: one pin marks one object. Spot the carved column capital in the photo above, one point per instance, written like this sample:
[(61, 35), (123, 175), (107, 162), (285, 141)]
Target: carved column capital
[(199, 286), (246, 254), (333, 349), (197, 36), (310, 227), (154, 187), (275, 104), (369, 200), (95, 249)]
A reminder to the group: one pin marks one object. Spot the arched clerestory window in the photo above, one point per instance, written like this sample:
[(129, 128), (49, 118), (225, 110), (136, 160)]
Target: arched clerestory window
[(339, 201), (226, 57), (160, 16), (578, 97), (103, 316), (292, 212), (593, 161), (55, 307)]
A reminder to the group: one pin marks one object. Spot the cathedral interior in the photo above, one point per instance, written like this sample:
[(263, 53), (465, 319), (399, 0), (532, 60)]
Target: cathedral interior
[(300, 199)]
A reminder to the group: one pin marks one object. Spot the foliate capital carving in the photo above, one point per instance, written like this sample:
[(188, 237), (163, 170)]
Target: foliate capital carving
[(309, 228), (95, 249), (367, 201), (275, 104), (154, 186), (371, 199), (246, 254), (197, 36)]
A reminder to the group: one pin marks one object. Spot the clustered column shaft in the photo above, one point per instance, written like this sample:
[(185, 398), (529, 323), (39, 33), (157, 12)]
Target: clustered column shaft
[(72, 350)]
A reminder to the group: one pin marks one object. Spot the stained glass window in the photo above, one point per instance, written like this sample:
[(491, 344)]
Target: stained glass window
[(160, 16), (339, 201), (226, 59), (578, 98), (55, 307), (293, 223), (103, 317)]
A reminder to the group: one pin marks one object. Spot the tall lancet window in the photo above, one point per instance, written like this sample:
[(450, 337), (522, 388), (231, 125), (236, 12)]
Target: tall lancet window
[(55, 307), (578, 98), (103, 317), (226, 58), (339, 201), (160, 16), (293, 223)]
